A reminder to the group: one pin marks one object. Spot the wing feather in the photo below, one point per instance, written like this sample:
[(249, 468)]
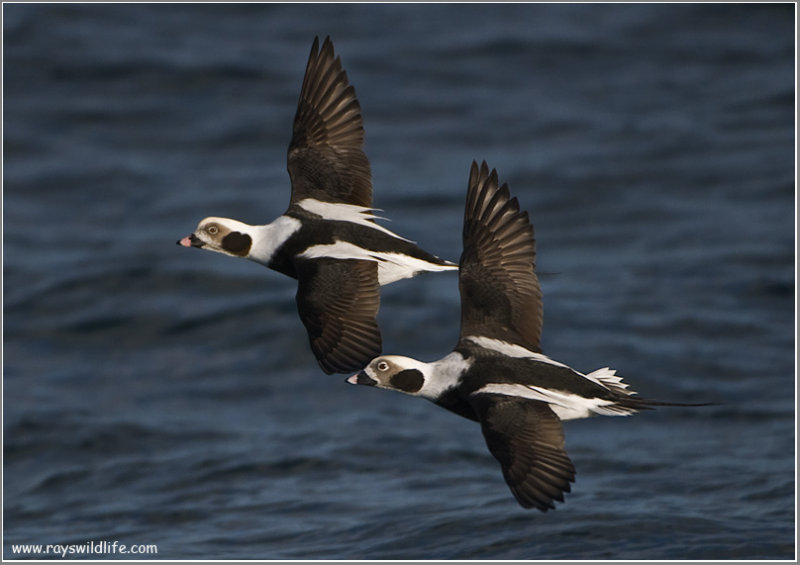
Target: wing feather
[(326, 159), (338, 302), (527, 438), (500, 293)]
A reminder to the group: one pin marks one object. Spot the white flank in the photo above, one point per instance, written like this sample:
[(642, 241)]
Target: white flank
[(391, 266), (396, 266), (565, 405), (267, 239), (512, 350), (346, 213)]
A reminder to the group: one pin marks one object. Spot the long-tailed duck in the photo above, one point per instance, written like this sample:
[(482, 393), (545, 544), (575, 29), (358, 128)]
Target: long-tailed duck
[(497, 374), (327, 239)]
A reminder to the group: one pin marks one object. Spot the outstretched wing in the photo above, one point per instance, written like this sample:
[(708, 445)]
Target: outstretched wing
[(326, 159), (338, 301), (527, 438), (500, 293)]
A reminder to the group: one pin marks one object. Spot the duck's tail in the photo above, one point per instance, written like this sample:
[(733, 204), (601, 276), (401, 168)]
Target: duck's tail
[(625, 402)]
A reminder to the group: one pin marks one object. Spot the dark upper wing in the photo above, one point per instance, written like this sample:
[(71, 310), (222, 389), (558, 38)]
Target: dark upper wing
[(326, 159), (338, 301), (527, 438), (500, 293)]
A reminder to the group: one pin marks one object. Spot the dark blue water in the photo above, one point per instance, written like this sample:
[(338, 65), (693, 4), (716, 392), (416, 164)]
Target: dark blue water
[(159, 395)]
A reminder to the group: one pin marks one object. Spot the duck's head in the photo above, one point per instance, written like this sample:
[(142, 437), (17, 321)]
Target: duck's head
[(222, 235), (393, 372)]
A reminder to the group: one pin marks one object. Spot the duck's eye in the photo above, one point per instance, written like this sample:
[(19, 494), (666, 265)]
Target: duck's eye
[(383, 366), (212, 230)]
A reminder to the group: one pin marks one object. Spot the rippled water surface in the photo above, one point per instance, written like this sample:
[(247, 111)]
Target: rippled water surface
[(158, 395)]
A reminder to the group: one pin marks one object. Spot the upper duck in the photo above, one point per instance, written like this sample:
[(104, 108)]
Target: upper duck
[(327, 239), (497, 374)]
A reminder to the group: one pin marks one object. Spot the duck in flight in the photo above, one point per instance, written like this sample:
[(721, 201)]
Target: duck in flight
[(328, 238), (497, 374)]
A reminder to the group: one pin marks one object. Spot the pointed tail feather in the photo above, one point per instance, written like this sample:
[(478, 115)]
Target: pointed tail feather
[(637, 403)]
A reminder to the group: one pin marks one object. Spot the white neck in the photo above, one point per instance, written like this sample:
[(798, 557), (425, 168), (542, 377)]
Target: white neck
[(442, 374), (268, 238)]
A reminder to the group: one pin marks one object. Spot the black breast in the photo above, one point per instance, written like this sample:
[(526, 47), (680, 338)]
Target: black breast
[(454, 400)]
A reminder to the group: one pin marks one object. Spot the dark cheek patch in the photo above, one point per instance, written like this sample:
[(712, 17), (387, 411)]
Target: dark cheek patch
[(237, 243), (409, 380)]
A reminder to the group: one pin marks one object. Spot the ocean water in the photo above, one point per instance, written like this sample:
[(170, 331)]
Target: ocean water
[(154, 395)]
